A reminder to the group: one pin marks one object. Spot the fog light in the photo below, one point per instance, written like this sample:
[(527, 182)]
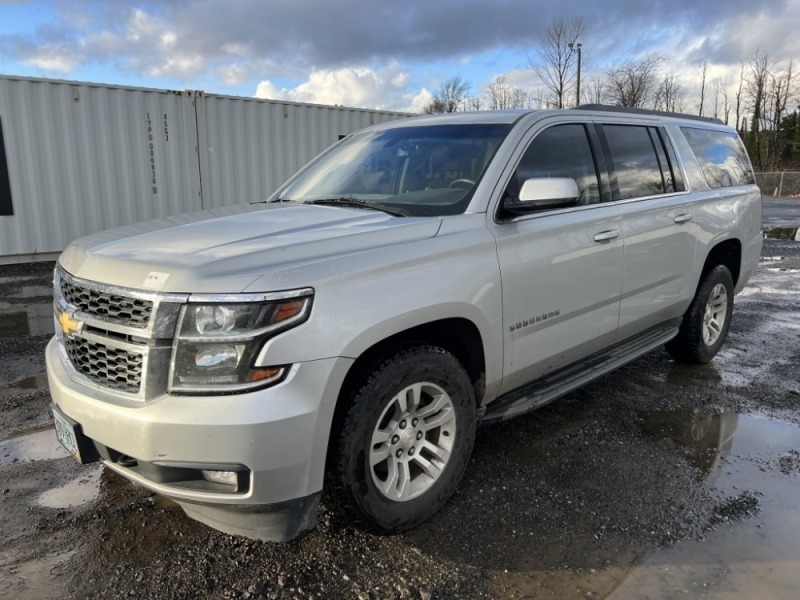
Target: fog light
[(224, 477)]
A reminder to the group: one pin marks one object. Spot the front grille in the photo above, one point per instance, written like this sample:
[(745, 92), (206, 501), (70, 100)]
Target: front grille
[(110, 307), (110, 367)]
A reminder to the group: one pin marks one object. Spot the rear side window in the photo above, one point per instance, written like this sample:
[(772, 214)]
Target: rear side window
[(721, 156), (560, 151), (636, 165)]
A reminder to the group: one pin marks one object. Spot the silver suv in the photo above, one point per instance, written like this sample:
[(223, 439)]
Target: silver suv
[(415, 279)]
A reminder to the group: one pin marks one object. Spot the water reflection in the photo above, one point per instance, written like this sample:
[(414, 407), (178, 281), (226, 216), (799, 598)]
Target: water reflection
[(783, 233), (39, 443), (77, 492), (20, 320), (707, 436), (24, 386), (687, 375), (757, 557), (33, 579)]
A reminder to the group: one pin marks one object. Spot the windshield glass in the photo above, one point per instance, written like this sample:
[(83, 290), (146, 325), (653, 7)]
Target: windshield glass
[(423, 170)]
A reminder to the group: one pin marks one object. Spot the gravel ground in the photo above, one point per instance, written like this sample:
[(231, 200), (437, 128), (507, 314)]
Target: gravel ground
[(584, 486)]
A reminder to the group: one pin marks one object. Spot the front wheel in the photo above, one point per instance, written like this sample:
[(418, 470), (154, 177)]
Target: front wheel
[(705, 324), (404, 441)]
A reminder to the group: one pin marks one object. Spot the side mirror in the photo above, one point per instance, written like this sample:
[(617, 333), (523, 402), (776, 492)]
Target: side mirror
[(548, 192)]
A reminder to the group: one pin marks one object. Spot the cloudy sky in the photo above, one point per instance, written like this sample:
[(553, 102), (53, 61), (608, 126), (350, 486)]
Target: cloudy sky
[(375, 54)]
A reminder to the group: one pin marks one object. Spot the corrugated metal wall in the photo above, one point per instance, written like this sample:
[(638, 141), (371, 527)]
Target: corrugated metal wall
[(85, 157), (253, 146), (81, 159)]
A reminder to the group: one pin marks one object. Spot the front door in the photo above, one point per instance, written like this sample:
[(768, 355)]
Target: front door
[(561, 268)]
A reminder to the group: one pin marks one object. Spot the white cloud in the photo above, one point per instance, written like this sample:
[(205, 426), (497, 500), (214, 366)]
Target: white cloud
[(268, 90), (359, 87), (234, 75), (420, 101), (143, 27), (54, 58)]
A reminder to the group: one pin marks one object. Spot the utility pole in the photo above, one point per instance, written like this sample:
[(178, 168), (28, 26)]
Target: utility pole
[(573, 46)]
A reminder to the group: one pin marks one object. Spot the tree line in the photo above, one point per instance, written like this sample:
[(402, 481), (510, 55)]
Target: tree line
[(759, 104)]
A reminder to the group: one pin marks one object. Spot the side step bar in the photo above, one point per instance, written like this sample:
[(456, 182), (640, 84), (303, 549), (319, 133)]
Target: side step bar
[(547, 389)]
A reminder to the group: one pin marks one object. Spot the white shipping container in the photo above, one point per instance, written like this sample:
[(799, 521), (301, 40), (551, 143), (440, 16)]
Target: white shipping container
[(76, 158)]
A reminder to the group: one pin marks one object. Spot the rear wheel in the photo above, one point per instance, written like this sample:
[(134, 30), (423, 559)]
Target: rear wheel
[(404, 441), (705, 324)]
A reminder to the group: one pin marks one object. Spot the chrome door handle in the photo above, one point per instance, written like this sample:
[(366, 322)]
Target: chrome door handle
[(682, 218), (604, 236)]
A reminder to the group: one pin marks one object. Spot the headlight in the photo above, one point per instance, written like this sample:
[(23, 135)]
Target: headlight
[(219, 339)]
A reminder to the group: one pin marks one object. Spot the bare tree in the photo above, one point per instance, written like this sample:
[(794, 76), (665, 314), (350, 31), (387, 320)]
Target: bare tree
[(595, 91), (722, 109), (501, 95), (450, 97), (783, 87), (756, 87), (669, 95), (703, 73), (725, 102), (632, 83), (738, 97), (554, 60), (474, 102)]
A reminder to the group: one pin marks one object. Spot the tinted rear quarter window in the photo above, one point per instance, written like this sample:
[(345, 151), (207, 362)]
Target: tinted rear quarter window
[(721, 155)]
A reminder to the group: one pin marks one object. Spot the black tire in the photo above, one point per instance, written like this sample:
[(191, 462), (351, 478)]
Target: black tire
[(373, 411), (690, 345)]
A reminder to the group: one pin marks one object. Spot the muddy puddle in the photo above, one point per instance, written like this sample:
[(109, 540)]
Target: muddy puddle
[(748, 556), (77, 492), (31, 319), (39, 443), (34, 579), (751, 465), (24, 386)]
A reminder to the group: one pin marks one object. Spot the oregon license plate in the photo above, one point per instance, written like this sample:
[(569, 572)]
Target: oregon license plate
[(66, 434)]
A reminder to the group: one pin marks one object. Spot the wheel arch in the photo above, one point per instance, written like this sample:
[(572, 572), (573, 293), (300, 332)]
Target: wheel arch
[(458, 335), (728, 253)]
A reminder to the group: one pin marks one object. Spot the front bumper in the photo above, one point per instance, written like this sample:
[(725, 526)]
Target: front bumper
[(277, 438)]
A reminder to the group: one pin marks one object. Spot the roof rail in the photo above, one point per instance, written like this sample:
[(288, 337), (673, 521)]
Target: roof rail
[(645, 111)]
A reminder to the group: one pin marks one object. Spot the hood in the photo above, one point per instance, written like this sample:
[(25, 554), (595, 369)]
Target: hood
[(225, 250)]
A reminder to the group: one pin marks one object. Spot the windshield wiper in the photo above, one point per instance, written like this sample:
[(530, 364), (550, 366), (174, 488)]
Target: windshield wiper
[(272, 201), (356, 203)]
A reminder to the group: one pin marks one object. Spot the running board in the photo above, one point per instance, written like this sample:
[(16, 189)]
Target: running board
[(547, 389)]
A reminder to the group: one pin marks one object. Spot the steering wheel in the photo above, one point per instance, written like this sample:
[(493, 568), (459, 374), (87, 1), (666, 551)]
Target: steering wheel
[(466, 183)]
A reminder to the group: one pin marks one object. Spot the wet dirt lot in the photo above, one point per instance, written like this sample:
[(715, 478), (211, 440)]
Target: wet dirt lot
[(657, 481)]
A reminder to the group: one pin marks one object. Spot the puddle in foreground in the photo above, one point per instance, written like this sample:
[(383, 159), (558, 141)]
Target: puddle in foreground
[(25, 385), (33, 580), (26, 319), (80, 491), (758, 556), (33, 444), (41, 444)]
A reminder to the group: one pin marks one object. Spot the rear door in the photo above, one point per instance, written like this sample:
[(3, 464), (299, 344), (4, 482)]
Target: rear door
[(561, 268), (658, 223)]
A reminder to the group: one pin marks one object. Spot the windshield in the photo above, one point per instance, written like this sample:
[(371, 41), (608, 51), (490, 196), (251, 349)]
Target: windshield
[(423, 170)]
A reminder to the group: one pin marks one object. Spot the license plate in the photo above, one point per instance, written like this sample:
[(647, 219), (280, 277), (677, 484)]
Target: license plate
[(67, 435)]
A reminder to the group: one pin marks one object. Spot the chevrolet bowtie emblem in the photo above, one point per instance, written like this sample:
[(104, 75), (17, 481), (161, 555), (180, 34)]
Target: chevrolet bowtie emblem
[(69, 325)]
